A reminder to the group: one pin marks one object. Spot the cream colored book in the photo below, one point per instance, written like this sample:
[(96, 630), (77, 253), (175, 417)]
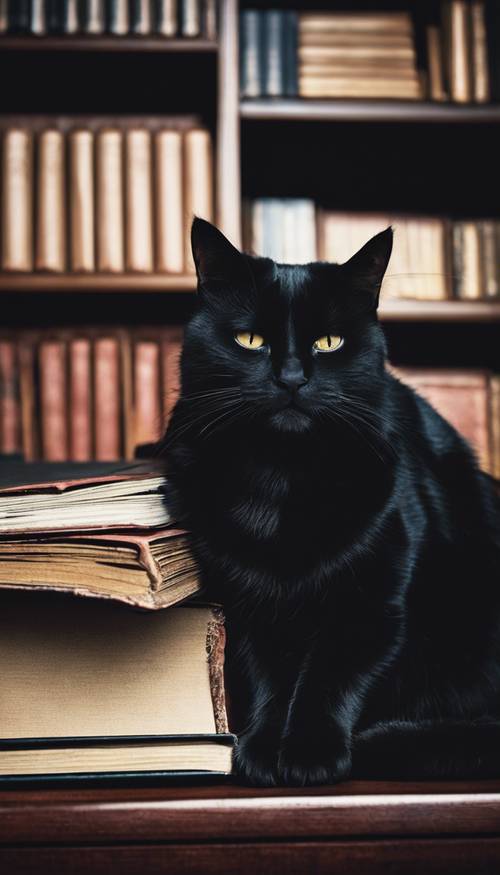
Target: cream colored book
[(370, 22), (147, 695), (139, 207), (51, 211), (480, 68), (81, 198), (169, 202), (437, 90), (198, 191), (17, 200), (459, 51), (110, 211)]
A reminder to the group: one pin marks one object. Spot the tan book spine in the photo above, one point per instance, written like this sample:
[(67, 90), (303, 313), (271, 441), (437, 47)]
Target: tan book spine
[(80, 375), (29, 419), (107, 405), (127, 389), (139, 218), (171, 349), (367, 88), (389, 22), (472, 279), (460, 60), (169, 202), (314, 54), (110, 212), (53, 389), (147, 393), (17, 200), (489, 258), (51, 212), (81, 194), (495, 425), (167, 17), (479, 50), (10, 408), (198, 180), (95, 13), (437, 90)]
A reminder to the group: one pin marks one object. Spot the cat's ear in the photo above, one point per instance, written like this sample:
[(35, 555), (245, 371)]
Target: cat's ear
[(368, 266), (215, 258)]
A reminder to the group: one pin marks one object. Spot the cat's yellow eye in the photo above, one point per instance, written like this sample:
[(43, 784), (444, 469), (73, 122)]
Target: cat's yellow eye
[(250, 340), (328, 343)]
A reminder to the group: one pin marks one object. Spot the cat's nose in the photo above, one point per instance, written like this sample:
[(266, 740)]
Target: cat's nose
[(292, 377)]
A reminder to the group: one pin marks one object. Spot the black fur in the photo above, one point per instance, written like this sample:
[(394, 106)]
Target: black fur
[(344, 526)]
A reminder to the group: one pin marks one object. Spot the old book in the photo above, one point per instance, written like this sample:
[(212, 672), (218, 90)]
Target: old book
[(461, 397), (147, 411), (149, 570), (29, 418), (435, 63), (109, 196), (107, 400), (359, 22), (490, 257), (53, 393), (290, 42), (38, 23), (10, 404), (166, 17), (251, 84), (210, 19), (273, 53), (495, 425), (198, 185), (481, 92), (3, 16), (140, 17), (80, 399), (169, 202), (17, 200), (138, 188), (346, 87), (190, 17), (460, 74), (171, 349), (93, 16), (117, 18), (467, 271), (81, 200), (43, 498), (51, 211), (147, 696)]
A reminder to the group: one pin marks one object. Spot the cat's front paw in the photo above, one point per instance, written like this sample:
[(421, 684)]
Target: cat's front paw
[(255, 759), (304, 761)]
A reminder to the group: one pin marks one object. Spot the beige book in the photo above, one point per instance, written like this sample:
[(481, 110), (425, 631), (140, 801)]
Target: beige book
[(80, 400), (37, 17), (87, 669), (358, 71), (72, 24), (95, 13), (81, 199), (471, 285), (495, 425), (17, 200), (107, 400), (480, 69), (490, 256), (372, 53), (167, 17), (379, 88), (51, 211), (459, 53), (355, 38), (198, 191), (378, 22), (147, 395), (435, 63), (169, 202), (53, 393), (138, 194), (110, 212), (119, 23)]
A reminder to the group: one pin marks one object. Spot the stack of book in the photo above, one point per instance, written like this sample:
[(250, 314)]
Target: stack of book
[(91, 688), (461, 64), (86, 394), (103, 195), (268, 53), (358, 54), (432, 259), (170, 18)]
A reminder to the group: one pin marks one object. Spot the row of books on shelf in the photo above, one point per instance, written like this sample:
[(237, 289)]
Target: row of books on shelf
[(432, 258), (80, 550), (371, 54), (83, 394), (168, 18), (86, 395), (109, 198)]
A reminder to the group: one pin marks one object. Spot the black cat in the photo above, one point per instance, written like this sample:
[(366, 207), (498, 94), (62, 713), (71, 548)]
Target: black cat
[(343, 524)]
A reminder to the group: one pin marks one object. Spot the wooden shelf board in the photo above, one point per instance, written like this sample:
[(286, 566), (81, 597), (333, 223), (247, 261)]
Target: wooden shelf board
[(105, 44), (65, 282), (366, 111), (439, 311)]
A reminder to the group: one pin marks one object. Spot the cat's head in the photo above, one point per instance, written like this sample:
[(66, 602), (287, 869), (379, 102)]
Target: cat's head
[(289, 346)]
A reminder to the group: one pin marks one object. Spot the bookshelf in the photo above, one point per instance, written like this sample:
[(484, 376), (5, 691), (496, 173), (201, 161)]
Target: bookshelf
[(366, 111)]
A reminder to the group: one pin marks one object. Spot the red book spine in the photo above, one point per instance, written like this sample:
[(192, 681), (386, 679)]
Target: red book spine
[(147, 392), (10, 408), (107, 403), (53, 388), (80, 400)]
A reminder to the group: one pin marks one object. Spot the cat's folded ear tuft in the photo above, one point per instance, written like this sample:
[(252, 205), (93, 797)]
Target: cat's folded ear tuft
[(214, 256), (368, 266)]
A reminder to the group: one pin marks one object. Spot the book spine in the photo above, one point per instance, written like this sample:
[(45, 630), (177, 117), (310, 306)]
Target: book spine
[(117, 19), (80, 378), (29, 420), (198, 193), (147, 393), (107, 405), (471, 287), (169, 202), (17, 201), (495, 425), (139, 217), (250, 53), (4, 16), (140, 17), (190, 18), (479, 51), (93, 17), (71, 21), (166, 18), (290, 39), (490, 256), (210, 19), (10, 409), (460, 60), (38, 24), (171, 349), (54, 421), (110, 231), (435, 63), (274, 56), (51, 218), (81, 196)]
